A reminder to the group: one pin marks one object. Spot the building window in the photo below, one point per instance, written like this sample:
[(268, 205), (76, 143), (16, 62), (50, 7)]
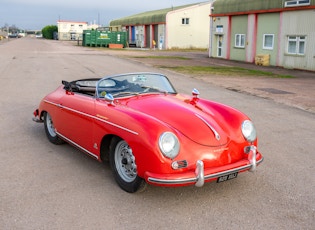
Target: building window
[(296, 45), (268, 41), (240, 40), (219, 29), (185, 21), (293, 3)]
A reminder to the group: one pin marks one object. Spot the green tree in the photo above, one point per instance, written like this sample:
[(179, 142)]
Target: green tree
[(48, 31)]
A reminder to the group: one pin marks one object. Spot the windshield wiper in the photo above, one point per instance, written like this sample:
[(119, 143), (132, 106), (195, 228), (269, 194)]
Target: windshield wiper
[(125, 93), (154, 89)]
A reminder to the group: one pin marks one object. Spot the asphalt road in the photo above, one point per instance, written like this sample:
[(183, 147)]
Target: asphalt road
[(44, 186)]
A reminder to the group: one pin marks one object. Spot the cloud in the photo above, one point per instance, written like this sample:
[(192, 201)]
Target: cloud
[(35, 14)]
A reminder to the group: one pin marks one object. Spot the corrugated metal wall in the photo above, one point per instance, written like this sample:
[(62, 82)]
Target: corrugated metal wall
[(227, 6), (268, 24), (239, 26), (146, 18), (219, 28), (194, 34), (299, 23), (284, 22)]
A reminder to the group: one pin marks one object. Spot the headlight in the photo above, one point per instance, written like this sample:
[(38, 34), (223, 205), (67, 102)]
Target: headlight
[(169, 145), (249, 131)]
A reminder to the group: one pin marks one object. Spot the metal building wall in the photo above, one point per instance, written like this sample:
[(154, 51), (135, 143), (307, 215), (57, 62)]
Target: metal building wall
[(192, 35), (239, 26), (299, 23), (219, 27), (227, 6), (268, 24)]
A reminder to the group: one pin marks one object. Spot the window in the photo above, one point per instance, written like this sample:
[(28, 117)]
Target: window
[(268, 41), (219, 29), (240, 40), (293, 3), (220, 46), (185, 21), (296, 45)]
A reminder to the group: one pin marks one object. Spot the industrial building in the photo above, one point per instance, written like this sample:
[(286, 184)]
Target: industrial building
[(267, 32), (181, 27)]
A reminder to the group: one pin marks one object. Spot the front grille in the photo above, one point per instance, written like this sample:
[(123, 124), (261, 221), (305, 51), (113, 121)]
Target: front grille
[(179, 164)]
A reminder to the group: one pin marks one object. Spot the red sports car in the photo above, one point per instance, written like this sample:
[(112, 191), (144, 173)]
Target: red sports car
[(149, 132)]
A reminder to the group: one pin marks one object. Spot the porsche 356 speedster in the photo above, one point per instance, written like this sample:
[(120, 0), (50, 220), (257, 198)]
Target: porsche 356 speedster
[(148, 132)]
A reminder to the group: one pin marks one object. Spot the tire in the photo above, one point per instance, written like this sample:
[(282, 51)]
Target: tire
[(122, 162), (50, 130)]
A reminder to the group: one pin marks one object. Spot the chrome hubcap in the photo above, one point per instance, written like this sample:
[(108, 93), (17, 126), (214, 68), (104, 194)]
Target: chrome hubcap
[(50, 125), (125, 162)]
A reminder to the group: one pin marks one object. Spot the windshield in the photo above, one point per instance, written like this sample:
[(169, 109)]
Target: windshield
[(133, 84)]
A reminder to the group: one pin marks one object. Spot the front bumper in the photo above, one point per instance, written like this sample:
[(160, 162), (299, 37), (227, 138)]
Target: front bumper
[(200, 176), (36, 117)]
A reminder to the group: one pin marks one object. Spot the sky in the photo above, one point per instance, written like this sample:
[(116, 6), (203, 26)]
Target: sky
[(36, 14)]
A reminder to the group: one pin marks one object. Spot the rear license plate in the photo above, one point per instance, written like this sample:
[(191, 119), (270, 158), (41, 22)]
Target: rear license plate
[(227, 177)]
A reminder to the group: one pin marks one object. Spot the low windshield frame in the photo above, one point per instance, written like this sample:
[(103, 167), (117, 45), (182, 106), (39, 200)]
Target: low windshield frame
[(130, 84)]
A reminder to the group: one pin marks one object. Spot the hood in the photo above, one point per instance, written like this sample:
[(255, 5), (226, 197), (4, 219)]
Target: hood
[(192, 122)]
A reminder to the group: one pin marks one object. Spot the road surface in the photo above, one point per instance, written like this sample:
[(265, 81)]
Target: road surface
[(44, 186)]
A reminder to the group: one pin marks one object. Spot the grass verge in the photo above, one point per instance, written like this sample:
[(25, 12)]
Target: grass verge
[(224, 70), (163, 57)]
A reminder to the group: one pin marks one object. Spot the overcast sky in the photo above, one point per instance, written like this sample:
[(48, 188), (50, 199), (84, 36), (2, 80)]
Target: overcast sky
[(36, 14)]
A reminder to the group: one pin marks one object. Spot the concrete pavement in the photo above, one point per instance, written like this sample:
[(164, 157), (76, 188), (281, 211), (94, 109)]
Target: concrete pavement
[(297, 90)]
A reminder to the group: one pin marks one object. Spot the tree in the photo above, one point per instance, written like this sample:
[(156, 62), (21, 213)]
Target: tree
[(48, 31), (10, 28)]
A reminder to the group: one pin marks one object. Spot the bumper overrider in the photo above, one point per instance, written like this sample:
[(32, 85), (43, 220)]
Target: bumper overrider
[(36, 117), (201, 175)]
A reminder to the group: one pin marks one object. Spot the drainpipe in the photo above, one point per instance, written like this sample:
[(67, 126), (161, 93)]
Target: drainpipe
[(211, 29)]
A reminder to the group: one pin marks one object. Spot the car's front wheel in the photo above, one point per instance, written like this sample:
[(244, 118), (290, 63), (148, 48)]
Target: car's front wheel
[(50, 130), (124, 166)]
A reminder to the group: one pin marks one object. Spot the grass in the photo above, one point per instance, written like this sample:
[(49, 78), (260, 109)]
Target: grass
[(224, 70), (212, 70), (163, 57)]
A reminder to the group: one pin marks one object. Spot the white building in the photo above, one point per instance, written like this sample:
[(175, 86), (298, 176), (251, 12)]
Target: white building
[(71, 30), (182, 27)]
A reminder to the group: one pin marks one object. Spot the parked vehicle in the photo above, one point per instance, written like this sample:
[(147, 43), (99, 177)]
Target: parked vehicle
[(149, 132), (13, 36)]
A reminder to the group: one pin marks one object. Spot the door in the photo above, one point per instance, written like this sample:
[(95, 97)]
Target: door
[(219, 45), (75, 119)]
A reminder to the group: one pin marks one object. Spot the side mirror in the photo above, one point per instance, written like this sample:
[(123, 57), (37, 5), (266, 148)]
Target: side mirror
[(109, 98), (195, 93)]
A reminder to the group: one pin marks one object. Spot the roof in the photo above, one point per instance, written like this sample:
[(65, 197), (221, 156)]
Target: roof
[(69, 21), (228, 6), (235, 6), (149, 17)]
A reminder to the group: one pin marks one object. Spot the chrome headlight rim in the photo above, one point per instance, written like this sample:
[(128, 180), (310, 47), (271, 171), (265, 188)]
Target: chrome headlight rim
[(249, 131), (169, 145)]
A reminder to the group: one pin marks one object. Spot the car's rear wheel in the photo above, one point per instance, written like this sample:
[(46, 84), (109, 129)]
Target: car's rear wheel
[(124, 166), (50, 130)]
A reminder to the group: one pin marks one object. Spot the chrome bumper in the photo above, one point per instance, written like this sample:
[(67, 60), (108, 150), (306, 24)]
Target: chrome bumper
[(200, 178), (37, 120), (36, 117)]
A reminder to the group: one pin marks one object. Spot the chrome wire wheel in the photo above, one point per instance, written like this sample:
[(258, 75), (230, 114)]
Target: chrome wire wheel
[(125, 162)]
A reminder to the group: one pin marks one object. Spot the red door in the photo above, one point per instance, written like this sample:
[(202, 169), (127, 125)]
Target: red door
[(75, 120)]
